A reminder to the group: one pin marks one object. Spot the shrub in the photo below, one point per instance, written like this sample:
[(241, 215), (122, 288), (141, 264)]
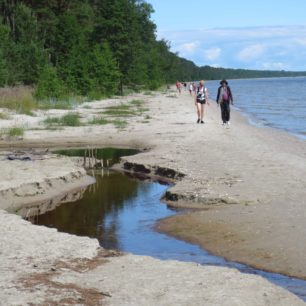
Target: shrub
[(19, 99), (99, 121), (15, 132), (71, 119), (49, 85)]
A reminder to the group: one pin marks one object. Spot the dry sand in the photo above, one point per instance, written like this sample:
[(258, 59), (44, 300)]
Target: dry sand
[(249, 183)]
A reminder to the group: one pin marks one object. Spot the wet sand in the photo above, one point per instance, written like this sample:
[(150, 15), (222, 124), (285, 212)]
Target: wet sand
[(235, 241)]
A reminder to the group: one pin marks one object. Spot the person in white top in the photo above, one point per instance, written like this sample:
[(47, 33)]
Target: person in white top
[(201, 99), (191, 88)]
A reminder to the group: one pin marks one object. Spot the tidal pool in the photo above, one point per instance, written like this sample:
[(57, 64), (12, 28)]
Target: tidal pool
[(121, 211)]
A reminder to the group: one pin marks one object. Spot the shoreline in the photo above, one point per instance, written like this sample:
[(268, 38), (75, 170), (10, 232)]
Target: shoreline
[(210, 165), (168, 225), (256, 123)]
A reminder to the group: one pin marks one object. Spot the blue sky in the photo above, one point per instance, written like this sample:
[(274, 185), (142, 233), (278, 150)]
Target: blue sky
[(261, 34)]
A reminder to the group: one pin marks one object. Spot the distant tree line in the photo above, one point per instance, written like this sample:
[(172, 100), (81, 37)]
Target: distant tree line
[(211, 73), (91, 48)]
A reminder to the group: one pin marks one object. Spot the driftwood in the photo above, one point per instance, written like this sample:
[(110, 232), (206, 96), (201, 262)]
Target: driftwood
[(27, 155)]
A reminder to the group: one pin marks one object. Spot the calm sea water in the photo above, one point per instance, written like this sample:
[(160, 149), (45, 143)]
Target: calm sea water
[(274, 102)]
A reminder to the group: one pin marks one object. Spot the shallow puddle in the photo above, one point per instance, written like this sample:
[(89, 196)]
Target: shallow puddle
[(121, 211)]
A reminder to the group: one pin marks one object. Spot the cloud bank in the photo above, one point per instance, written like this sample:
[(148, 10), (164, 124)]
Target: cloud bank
[(261, 48)]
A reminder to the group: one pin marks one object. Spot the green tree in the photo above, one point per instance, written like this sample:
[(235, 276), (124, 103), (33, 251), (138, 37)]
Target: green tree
[(4, 32), (103, 70), (49, 84), (3, 70)]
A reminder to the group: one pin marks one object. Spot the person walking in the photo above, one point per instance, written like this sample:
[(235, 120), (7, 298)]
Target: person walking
[(225, 98), (201, 98), (178, 86), (191, 88)]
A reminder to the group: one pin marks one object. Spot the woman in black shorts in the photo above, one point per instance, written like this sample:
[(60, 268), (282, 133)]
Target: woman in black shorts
[(200, 100)]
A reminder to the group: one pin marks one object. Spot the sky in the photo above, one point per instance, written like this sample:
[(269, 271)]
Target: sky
[(259, 34)]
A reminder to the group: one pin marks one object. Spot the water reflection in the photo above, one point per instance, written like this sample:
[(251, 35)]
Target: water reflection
[(87, 216), (121, 211), (109, 156)]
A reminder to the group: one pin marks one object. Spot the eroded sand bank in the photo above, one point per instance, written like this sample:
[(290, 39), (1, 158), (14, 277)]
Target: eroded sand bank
[(252, 180)]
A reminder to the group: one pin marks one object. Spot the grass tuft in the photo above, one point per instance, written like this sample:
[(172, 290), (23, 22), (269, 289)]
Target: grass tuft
[(4, 116), (120, 124), (19, 99), (99, 121), (15, 132), (71, 119)]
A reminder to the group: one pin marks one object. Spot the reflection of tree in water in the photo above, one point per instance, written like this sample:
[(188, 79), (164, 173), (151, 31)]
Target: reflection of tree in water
[(102, 201), (112, 154), (109, 230)]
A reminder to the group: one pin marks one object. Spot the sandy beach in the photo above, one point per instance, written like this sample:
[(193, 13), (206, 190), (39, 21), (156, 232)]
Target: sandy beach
[(246, 184)]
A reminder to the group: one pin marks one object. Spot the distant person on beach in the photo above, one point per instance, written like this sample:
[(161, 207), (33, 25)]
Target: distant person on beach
[(201, 99), (178, 86), (191, 88), (194, 87), (225, 98)]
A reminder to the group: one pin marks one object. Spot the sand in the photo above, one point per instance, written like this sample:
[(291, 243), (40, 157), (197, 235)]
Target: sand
[(248, 185)]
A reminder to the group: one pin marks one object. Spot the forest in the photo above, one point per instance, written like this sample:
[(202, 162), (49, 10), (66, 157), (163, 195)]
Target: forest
[(92, 48)]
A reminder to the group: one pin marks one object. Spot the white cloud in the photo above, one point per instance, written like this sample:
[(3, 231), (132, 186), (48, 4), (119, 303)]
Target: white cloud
[(300, 41), (188, 48), (251, 52), (274, 66), (212, 54), (249, 48)]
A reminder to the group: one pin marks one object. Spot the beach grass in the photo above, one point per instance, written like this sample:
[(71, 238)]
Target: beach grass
[(137, 103), (120, 124), (70, 102), (133, 108), (117, 112), (4, 116), (12, 132), (15, 132), (99, 121), (19, 99), (70, 119)]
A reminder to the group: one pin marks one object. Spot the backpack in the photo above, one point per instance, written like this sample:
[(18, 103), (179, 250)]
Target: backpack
[(225, 94), (201, 94)]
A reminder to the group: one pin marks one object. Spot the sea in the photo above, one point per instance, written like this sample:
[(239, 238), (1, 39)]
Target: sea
[(270, 102)]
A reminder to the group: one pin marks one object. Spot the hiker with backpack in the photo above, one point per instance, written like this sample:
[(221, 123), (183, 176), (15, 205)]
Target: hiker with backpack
[(200, 100), (225, 98)]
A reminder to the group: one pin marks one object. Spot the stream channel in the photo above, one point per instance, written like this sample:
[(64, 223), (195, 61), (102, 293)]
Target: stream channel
[(121, 212)]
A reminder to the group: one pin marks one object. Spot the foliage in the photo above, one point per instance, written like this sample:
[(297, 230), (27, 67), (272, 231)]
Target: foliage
[(211, 73), (49, 84), (70, 119), (120, 124), (122, 110), (15, 132), (19, 99), (99, 121), (92, 49), (4, 116)]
